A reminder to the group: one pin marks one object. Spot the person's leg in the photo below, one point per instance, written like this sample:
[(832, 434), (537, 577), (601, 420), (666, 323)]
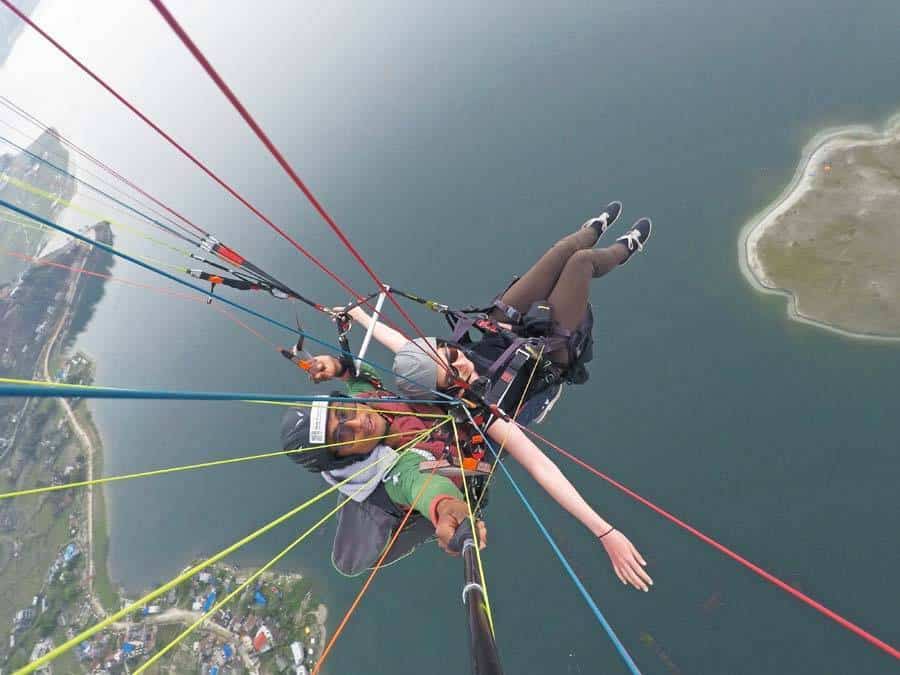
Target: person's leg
[(569, 297), (537, 282)]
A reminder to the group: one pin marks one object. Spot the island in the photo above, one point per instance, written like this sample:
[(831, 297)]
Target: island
[(831, 241)]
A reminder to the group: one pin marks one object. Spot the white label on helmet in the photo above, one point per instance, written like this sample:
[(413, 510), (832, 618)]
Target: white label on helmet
[(318, 421)]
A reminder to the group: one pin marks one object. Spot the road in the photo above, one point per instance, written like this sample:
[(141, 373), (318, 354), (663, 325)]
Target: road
[(83, 437)]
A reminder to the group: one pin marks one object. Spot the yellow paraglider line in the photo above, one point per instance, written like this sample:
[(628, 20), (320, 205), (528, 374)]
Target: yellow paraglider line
[(462, 475), (28, 187), (177, 469), (487, 482), (190, 629), (187, 574)]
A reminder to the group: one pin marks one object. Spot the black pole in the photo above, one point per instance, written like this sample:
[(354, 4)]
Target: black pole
[(485, 659)]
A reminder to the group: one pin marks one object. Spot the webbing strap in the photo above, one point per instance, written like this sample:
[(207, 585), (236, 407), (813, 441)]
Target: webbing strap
[(502, 360), (463, 325)]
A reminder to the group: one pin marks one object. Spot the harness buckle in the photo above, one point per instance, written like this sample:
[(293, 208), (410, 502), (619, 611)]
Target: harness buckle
[(511, 313)]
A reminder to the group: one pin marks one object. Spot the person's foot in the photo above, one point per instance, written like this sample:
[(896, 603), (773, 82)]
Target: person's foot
[(602, 222), (636, 237)]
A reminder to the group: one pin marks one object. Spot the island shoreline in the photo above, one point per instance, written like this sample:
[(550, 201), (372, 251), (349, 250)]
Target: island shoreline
[(823, 145)]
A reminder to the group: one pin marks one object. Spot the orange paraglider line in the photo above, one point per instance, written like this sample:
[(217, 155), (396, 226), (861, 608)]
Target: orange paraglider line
[(371, 576), (154, 289)]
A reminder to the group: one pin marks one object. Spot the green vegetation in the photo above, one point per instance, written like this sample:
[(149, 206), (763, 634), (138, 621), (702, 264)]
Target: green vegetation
[(58, 595), (103, 586), (167, 633), (37, 552), (66, 663), (293, 598), (18, 659)]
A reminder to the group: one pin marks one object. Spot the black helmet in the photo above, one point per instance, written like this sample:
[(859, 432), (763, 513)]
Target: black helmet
[(304, 429)]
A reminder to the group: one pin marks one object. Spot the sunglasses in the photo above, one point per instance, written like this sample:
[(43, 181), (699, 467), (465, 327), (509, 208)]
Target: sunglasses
[(452, 357), (341, 433)]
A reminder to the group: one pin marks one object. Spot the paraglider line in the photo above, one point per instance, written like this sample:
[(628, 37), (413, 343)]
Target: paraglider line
[(189, 238), (473, 524), (499, 453), (88, 156), (620, 648), (154, 289), (190, 629), (270, 146), (184, 576), (39, 389), (147, 266), (27, 20), (184, 467), (771, 578), (27, 187), (371, 576)]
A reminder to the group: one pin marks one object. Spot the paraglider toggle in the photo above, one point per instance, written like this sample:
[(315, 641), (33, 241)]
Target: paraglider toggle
[(297, 354)]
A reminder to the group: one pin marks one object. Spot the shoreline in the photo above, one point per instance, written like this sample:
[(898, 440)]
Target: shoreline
[(822, 146)]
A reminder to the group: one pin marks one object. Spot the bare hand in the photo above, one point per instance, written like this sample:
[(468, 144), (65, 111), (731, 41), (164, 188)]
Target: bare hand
[(323, 368), (626, 561), (451, 513)]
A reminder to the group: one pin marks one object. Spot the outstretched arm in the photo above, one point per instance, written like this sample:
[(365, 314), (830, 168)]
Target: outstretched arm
[(386, 335), (627, 562)]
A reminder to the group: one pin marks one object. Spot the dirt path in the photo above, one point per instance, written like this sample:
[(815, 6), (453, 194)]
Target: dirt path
[(184, 616)]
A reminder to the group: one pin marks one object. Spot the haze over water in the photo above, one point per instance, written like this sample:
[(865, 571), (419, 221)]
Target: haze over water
[(466, 140)]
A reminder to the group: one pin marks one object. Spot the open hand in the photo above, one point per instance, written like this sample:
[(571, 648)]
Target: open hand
[(626, 561), (451, 513)]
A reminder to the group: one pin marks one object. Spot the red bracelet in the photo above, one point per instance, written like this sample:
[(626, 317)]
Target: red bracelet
[(606, 533)]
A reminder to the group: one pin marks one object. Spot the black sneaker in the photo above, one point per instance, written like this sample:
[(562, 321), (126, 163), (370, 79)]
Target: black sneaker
[(602, 222), (636, 237)]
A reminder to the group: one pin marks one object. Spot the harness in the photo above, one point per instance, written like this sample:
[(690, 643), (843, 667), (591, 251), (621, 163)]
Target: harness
[(365, 528), (531, 337)]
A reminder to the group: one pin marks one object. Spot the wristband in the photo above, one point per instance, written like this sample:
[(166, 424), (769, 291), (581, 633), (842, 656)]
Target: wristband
[(606, 533)]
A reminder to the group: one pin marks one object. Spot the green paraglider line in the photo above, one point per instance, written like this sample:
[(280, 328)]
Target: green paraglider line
[(101, 165), (187, 574), (185, 467), (189, 238), (209, 294)]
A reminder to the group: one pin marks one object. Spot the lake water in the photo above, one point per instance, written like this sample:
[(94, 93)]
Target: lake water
[(464, 141)]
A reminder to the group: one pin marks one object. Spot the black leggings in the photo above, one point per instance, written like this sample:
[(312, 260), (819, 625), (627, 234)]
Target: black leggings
[(562, 277)]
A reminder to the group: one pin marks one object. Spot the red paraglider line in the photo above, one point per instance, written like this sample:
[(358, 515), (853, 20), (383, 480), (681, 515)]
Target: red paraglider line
[(154, 289), (771, 578), (84, 153), (209, 172), (270, 146)]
